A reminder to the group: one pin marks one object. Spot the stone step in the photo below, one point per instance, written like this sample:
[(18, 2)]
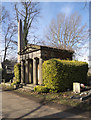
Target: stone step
[(7, 84), (29, 86)]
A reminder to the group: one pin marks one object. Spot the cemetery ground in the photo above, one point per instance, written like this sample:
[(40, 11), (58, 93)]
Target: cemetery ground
[(60, 101)]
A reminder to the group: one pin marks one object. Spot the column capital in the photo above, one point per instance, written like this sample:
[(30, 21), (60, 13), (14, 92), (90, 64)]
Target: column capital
[(27, 60), (34, 58), (41, 59), (22, 61)]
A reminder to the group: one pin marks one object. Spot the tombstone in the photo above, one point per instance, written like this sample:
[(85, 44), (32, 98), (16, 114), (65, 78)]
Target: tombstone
[(15, 86), (76, 87), (11, 81), (9, 85), (20, 85), (3, 80)]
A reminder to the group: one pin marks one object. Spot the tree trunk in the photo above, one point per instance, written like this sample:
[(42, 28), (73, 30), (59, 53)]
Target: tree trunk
[(5, 55)]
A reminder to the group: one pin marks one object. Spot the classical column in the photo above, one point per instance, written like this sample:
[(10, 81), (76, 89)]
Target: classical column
[(35, 81), (26, 72), (22, 71), (30, 72), (40, 71)]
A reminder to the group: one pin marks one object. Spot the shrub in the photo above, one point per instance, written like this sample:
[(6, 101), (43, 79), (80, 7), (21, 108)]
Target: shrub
[(0, 70), (59, 75), (14, 83), (17, 73), (0, 75), (6, 76), (41, 89)]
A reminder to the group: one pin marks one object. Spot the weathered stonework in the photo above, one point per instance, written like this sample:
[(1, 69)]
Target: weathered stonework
[(33, 57), (76, 87), (20, 42)]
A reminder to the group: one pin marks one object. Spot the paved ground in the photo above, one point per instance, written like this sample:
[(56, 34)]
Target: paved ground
[(15, 106)]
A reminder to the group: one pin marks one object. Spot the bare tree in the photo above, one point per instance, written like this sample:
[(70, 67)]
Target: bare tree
[(27, 11), (8, 32), (4, 14), (67, 32)]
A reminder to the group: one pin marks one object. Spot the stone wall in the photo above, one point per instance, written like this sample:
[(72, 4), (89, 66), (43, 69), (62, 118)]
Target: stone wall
[(54, 53)]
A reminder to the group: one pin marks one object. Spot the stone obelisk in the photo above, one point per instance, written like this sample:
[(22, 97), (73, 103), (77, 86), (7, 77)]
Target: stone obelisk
[(20, 41)]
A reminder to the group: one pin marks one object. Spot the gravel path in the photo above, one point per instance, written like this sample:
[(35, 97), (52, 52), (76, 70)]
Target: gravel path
[(15, 106)]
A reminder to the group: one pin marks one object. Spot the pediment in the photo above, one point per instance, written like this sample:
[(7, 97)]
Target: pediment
[(30, 48)]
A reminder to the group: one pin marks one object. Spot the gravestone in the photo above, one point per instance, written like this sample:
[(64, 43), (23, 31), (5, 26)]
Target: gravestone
[(76, 87)]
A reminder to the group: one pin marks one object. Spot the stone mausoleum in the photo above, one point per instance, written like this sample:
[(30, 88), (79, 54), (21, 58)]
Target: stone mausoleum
[(32, 56)]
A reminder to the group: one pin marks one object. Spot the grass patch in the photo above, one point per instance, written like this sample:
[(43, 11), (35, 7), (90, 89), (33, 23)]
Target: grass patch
[(7, 88), (60, 98)]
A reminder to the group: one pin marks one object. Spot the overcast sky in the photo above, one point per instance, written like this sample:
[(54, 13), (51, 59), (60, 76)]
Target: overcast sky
[(50, 10)]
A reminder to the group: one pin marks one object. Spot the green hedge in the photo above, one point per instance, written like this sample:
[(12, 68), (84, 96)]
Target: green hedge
[(17, 72), (0, 70), (41, 89), (59, 75)]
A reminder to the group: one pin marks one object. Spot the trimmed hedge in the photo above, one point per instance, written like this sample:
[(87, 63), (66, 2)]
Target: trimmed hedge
[(41, 89), (17, 72), (59, 75)]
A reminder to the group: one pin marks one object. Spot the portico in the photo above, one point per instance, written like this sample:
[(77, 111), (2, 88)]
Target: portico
[(32, 56), (31, 59), (31, 68)]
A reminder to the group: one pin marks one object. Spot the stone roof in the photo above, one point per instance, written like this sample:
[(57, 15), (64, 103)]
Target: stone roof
[(31, 48)]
